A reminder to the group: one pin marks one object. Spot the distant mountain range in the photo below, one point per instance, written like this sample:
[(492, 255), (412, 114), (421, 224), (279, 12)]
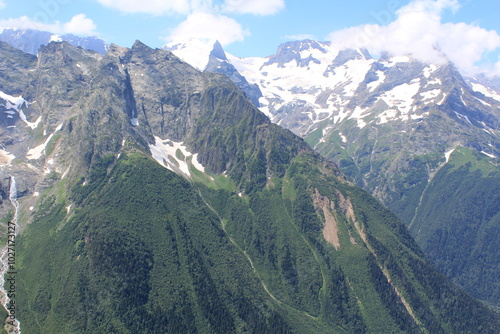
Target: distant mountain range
[(420, 137), (30, 40)]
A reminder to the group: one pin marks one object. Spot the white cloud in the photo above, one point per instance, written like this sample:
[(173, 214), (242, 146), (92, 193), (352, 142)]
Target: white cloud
[(2, 4), (256, 7), (155, 7), (209, 27), (78, 25), (162, 7), (300, 37), (417, 30), (206, 20)]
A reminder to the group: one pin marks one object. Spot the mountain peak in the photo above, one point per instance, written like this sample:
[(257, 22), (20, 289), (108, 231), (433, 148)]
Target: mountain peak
[(139, 45), (303, 52), (218, 51), (193, 51)]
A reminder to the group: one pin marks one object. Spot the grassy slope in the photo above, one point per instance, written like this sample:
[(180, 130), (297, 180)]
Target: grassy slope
[(146, 251), (461, 212)]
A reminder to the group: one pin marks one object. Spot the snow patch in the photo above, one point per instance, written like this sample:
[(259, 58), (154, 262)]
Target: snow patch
[(55, 38), (443, 99), (484, 103), (174, 156), (15, 103), (463, 117), (488, 92), (462, 98), (374, 84), (429, 70), (12, 101), (36, 153), (134, 121), (193, 51), (447, 154), (387, 116), (395, 60), (65, 173), (430, 94), (435, 81), (489, 155), (401, 97)]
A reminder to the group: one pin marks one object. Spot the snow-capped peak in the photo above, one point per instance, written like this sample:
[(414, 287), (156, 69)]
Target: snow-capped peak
[(193, 51), (55, 38)]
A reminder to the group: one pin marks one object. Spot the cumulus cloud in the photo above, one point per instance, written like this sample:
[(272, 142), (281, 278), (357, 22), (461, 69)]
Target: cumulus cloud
[(155, 7), (209, 27), (300, 37), (417, 30), (79, 24), (256, 7), (205, 19)]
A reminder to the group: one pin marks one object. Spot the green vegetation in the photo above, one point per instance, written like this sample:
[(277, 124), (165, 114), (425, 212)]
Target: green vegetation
[(461, 213), (146, 251)]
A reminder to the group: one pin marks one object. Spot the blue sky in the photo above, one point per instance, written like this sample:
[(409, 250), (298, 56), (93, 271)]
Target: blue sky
[(464, 31)]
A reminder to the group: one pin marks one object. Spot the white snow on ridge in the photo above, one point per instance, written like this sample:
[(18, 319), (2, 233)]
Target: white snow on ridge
[(165, 152), (485, 91), (355, 72), (436, 81), (248, 67), (15, 103), (402, 97), (430, 94), (36, 153), (387, 116), (462, 98), (192, 51), (484, 103), (447, 154), (395, 60), (489, 155), (463, 117), (32, 125), (429, 70), (55, 38), (374, 84), (12, 101)]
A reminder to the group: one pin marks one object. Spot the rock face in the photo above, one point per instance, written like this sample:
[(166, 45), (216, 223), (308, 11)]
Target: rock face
[(170, 204), (218, 63)]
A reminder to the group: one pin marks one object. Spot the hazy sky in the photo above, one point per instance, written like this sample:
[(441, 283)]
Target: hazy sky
[(464, 31)]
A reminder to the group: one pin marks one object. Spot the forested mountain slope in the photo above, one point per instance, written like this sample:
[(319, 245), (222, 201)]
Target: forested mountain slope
[(156, 198)]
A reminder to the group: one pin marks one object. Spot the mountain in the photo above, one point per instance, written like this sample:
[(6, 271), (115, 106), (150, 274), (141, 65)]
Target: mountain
[(420, 137), (30, 40), (213, 59), (156, 198)]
